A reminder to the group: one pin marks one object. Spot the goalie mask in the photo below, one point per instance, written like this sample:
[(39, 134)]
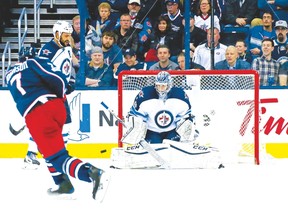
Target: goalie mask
[(61, 27), (163, 84)]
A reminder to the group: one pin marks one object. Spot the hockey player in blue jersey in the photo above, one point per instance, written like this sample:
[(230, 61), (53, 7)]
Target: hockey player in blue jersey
[(38, 90), (162, 112), (58, 50)]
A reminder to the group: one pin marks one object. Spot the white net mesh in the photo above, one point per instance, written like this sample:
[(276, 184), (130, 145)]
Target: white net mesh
[(223, 103), (205, 82)]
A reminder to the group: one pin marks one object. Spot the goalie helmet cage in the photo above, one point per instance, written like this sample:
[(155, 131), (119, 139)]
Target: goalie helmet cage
[(225, 104)]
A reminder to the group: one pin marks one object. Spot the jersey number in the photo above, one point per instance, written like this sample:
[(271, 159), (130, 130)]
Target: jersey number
[(17, 79)]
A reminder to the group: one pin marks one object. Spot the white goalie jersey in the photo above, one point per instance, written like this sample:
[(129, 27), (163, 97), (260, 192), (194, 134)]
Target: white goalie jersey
[(161, 115)]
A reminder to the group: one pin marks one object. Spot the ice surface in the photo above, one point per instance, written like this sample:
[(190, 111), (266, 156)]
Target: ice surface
[(242, 189)]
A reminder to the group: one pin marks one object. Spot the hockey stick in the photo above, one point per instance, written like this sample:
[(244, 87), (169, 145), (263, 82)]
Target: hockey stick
[(15, 132), (143, 143)]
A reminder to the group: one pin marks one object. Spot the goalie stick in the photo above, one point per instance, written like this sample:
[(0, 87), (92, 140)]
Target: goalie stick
[(143, 143), (15, 132)]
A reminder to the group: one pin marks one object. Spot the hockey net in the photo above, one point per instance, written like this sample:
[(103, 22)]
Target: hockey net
[(225, 104)]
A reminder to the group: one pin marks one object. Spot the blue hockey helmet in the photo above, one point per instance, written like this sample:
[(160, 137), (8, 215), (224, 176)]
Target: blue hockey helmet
[(163, 78), (26, 53)]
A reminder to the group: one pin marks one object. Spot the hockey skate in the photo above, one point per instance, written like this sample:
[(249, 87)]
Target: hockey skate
[(65, 187), (100, 180), (31, 161)]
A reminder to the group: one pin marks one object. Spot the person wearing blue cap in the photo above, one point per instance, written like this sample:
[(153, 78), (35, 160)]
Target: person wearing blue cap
[(174, 13), (130, 63)]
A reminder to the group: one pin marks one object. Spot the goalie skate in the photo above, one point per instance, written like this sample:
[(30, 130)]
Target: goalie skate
[(136, 157)]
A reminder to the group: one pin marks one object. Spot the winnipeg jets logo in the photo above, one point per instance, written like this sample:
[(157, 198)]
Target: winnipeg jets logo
[(66, 67), (163, 119)]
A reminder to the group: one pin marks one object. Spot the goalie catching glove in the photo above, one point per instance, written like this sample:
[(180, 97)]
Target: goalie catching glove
[(186, 130), (136, 131)]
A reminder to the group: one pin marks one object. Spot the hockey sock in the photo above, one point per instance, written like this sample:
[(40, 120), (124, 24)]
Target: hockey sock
[(64, 163), (77, 169), (57, 177)]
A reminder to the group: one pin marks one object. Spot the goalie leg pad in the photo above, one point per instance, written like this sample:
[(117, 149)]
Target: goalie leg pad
[(135, 158), (136, 132), (191, 155)]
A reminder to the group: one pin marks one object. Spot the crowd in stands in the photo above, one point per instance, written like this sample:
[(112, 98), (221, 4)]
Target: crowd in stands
[(149, 34)]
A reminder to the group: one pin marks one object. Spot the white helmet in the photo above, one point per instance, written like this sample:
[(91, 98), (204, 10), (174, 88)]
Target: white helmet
[(61, 27)]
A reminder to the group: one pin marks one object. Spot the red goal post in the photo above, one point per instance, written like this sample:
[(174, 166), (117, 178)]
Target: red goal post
[(225, 102)]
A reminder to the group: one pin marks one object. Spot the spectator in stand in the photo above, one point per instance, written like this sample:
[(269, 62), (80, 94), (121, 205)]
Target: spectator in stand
[(232, 62), (141, 24), (164, 63), (240, 13), (112, 52), (197, 35), (258, 33), (267, 67), (104, 22), (203, 16), (130, 63), (175, 16), (92, 37), (279, 8), (118, 7), (192, 65), (281, 41), (97, 73), (243, 54), (161, 34), (126, 36), (283, 74), (202, 54), (217, 7)]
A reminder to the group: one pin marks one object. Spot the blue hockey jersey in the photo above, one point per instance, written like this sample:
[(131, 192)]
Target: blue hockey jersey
[(32, 80), (161, 115), (60, 57)]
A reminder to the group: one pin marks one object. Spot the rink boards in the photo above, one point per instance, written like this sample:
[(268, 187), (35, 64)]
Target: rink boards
[(94, 131)]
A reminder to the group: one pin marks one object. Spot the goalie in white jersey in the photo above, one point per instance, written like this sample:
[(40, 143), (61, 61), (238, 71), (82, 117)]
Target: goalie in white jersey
[(164, 110), (161, 115)]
